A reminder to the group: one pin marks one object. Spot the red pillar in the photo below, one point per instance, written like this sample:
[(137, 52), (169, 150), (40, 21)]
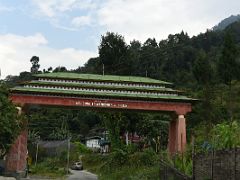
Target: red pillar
[(17, 155), (177, 135)]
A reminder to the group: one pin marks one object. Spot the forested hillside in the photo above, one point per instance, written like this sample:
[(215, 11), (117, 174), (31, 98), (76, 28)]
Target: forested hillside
[(224, 23), (206, 66)]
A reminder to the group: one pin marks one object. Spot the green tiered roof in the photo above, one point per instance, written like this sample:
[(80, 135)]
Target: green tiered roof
[(96, 77), (72, 85)]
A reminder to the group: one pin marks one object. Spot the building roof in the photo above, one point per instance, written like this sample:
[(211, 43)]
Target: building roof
[(99, 94), (122, 87), (93, 137), (96, 77), (91, 85)]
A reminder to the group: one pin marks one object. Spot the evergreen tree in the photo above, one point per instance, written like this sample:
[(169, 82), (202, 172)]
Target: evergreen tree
[(228, 68), (35, 64), (203, 73), (113, 54)]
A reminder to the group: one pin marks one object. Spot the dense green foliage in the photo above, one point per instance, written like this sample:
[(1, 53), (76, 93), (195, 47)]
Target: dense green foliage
[(10, 122), (138, 165), (221, 136), (49, 168), (207, 66)]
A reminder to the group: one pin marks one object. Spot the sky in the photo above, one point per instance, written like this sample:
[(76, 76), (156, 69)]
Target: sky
[(68, 32)]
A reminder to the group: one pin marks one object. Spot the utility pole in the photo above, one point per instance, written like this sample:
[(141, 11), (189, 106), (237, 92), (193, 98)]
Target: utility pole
[(103, 69), (68, 155), (36, 158)]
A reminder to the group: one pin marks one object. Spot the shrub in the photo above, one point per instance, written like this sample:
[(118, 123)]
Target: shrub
[(146, 158), (50, 168), (78, 150), (131, 148), (81, 148), (183, 163)]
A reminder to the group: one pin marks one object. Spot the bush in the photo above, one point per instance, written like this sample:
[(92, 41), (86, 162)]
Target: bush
[(183, 163), (51, 167), (146, 158), (78, 150), (131, 148), (221, 136), (123, 165), (81, 148)]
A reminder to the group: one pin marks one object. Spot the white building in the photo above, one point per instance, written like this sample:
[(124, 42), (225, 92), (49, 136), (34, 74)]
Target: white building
[(93, 142)]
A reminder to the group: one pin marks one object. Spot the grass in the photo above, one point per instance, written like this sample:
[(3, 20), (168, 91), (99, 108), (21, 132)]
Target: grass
[(49, 169), (133, 173), (101, 165)]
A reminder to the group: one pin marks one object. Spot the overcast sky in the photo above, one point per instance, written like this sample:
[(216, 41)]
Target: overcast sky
[(68, 32)]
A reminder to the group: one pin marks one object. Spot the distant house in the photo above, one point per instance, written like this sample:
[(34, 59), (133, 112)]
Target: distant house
[(131, 138), (105, 146), (93, 142), (98, 144)]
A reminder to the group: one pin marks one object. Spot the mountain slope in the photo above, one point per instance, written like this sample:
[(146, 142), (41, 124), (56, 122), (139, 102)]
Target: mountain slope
[(224, 23)]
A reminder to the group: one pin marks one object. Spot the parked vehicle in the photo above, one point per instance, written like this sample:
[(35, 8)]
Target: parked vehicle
[(77, 166)]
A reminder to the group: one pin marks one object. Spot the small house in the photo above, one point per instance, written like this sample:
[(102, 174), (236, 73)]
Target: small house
[(93, 142)]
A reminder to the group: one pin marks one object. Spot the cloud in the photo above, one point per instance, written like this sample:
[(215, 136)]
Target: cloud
[(52, 8), (136, 19), (5, 8), (46, 7), (16, 51), (70, 15), (81, 21), (158, 18)]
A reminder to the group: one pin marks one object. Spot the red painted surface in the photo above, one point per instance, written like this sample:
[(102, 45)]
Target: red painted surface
[(172, 136), (16, 157), (178, 107), (177, 135)]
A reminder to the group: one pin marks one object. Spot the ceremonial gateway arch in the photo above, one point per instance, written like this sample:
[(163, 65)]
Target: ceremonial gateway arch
[(98, 91)]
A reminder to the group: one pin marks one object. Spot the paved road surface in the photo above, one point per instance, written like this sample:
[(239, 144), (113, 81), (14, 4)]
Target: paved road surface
[(81, 175), (75, 175), (7, 178)]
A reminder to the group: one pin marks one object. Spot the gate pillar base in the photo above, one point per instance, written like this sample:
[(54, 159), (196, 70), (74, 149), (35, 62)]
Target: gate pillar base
[(177, 135), (16, 160)]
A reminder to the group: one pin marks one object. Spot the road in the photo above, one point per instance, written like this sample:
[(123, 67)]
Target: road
[(81, 175), (7, 178)]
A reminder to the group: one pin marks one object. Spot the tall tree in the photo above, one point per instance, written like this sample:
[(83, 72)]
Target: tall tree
[(228, 67), (35, 64), (60, 69), (113, 53), (202, 70), (203, 73)]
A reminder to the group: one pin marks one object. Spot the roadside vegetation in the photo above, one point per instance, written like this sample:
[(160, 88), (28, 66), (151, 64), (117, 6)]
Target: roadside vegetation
[(55, 166), (206, 66), (123, 164)]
